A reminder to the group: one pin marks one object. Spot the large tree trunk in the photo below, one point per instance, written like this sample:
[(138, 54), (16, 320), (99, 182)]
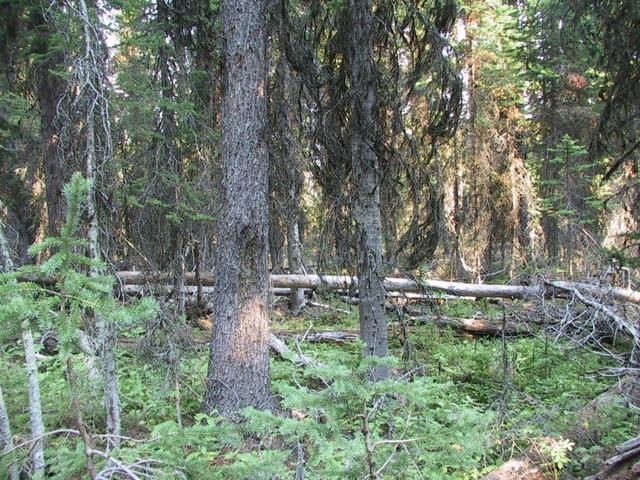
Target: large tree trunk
[(239, 362), (364, 161), (50, 91)]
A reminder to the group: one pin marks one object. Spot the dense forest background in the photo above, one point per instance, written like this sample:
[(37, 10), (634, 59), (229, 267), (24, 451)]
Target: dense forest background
[(481, 142)]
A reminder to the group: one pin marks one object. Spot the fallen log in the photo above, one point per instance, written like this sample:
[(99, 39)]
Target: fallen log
[(131, 289), (623, 466), (475, 326), (345, 282), (407, 285)]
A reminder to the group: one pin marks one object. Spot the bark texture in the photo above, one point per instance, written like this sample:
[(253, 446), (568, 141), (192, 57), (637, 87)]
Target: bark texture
[(239, 362), (51, 89), (35, 405), (288, 163), (6, 440), (93, 64), (364, 163)]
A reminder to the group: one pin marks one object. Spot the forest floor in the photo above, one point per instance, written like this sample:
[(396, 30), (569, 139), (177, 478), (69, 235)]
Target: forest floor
[(465, 404)]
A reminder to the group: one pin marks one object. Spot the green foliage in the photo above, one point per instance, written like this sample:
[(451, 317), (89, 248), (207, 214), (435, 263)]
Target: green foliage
[(445, 435), (448, 416), (64, 291)]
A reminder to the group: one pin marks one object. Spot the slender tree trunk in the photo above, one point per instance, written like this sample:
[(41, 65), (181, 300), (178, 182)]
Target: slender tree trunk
[(390, 211), (373, 320), (238, 373), (288, 169), (106, 345), (294, 252), (95, 104), (276, 231), (6, 264), (35, 405), (6, 440), (51, 89)]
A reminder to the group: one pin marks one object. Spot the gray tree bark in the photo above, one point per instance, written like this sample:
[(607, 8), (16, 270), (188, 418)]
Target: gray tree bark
[(294, 251), (289, 168), (6, 440), (6, 263), (35, 405), (93, 68), (238, 373), (364, 161)]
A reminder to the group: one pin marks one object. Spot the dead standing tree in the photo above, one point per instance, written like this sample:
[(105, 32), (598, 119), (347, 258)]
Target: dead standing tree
[(85, 128)]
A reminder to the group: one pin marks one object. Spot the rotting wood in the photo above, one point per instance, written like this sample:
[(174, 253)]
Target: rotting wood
[(475, 326)]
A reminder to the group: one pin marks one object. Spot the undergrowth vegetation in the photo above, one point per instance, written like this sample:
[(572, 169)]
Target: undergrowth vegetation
[(455, 408)]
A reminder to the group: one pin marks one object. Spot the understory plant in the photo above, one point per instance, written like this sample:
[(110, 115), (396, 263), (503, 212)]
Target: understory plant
[(66, 299)]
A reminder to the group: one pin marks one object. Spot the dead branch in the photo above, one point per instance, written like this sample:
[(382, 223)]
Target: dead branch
[(622, 323), (624, 465)]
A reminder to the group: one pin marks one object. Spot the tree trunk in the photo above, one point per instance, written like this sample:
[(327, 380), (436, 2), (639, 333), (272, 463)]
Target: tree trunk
[(390, 210), (296, 299), (364, 161), (6, 263), (35, 406), (238, 373), (289, 167), (50, 90), (344, 282), (6, 440), (107, 338), (94, 79)]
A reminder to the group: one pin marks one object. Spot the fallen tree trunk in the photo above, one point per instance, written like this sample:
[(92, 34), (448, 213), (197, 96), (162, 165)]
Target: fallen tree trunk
[(623, 466), (475, 326), (188, 289), (345, 282), (457, 289)]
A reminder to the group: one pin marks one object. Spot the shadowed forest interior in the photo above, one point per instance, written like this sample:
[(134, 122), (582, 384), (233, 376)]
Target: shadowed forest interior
[(308, 239)]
